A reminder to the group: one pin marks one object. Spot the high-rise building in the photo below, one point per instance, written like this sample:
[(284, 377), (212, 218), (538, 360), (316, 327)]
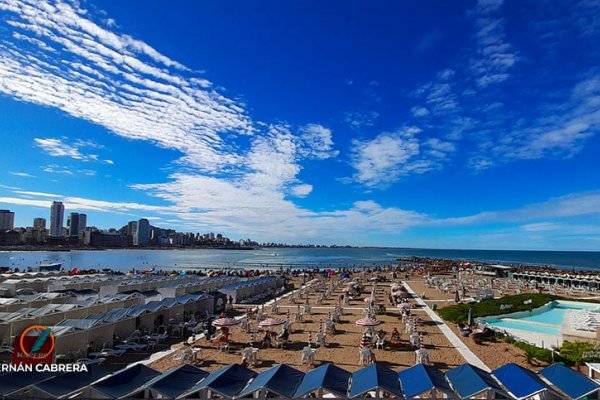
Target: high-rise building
[(73, 224), (39, 223), (57, 213), (132, 228), (82, 223), (7, 219), (142, 234)]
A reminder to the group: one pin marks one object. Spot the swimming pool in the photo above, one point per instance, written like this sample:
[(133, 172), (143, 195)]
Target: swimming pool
[(548, 321)]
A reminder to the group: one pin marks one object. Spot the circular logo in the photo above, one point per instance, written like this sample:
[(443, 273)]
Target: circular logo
[(45, 336)]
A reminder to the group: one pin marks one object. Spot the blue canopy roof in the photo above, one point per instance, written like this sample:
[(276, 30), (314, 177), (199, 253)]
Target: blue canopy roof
[(66, 384), (422, 378), (281, 379), (177, 381), (227, 381), (127, 381), (571, 383), (468, 380), (519, 381), (375, 376), (329, 377), (15, 381)]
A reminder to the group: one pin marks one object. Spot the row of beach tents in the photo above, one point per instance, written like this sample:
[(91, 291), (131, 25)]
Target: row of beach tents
[(235, 381)]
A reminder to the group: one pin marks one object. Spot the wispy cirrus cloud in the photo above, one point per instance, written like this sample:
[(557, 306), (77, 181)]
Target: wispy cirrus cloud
[(494, 55), (115, 81), (57, 147), (21, 174), (64, 170)]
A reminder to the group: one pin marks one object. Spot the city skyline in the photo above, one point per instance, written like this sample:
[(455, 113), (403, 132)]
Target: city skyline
[(469, 124)]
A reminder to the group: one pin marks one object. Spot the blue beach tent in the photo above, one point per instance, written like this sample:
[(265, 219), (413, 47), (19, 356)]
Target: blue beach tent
[(423, 378), (227, 381), (468, 381), (176, 381), (375, 377), (15, 383), (69, 384), (281, 380), (571, 383), (126, 383), (328, 378), (521, 383)]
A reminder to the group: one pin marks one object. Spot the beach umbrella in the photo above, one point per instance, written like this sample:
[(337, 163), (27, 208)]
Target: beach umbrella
[(345, 289), (394, 286), (370, 299), (470, 320), (225, 322), (405, 305), (271, 322), (367, 322), (398, 293)]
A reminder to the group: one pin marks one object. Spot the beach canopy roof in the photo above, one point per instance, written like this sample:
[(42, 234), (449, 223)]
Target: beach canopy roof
[(15, 381), (373, 377), (571, 383), (423, 378), (281, 380), (468, 381), (81, 324), (227, 381), (67, 384), (520, 382), (177, 381), (327, 377), (126, 382)]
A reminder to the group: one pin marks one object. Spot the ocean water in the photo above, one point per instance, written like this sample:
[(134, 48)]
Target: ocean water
[(274, 257)]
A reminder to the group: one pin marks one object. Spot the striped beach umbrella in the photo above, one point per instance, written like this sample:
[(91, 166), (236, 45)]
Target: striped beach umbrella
[(367, 322), (223, 322), (271, 322), (369, 299)]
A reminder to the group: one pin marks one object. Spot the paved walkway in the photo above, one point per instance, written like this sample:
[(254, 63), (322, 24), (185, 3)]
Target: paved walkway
[(458, 344)]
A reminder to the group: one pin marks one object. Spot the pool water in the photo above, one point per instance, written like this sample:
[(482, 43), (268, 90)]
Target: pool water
[(524, 326), (548, 322)]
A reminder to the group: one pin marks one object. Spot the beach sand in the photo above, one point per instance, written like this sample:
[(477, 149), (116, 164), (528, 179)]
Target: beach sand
[(342, 348)]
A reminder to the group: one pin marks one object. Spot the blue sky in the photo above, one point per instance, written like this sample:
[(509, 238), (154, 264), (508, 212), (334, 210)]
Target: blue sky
[(419, 124)]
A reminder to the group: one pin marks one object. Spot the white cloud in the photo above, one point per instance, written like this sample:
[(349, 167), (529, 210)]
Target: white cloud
[(419, 111), (391, 155), (117, 82), (317, 141), (64, 170), (302, 190), (494, 56), (22, 174)]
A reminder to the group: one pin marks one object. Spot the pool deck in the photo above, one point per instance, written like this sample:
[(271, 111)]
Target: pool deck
[(458, 344)]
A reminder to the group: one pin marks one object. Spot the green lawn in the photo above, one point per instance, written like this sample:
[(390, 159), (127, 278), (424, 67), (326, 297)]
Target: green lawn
[(459, 312)]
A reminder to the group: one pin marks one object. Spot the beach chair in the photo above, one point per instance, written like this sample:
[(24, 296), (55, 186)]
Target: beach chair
[(320, 339), (275, 309), (365, 356), (308, 355), (329, 327), (379, 341), (6, 349), (247, 354), (307, 309)]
